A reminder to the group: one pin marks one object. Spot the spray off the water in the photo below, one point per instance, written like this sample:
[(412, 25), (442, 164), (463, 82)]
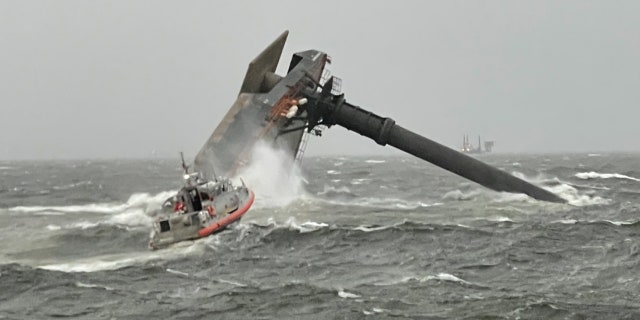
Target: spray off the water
[(273, 175)]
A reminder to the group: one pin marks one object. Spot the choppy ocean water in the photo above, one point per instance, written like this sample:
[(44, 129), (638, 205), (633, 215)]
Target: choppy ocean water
[(345, 238)]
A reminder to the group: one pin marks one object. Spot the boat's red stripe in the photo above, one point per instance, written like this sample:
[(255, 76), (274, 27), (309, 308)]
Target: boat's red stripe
[(228, 219)]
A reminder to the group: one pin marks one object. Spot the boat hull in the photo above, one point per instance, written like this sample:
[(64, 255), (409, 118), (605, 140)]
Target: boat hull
[(177, 227)]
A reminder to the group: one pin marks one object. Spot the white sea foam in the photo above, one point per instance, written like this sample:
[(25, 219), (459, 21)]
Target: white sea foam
[(91, 207), (583, 186), (394, 203), (310, 226), (372, 229), (564, 191), (73, 185), (49, 213), (569, 194), (459, 195), (332, 189), (597, 175), (305, 227), (83, 225), (237, 284), (347, 295), (178, 272), (613, 222), (619, 223), (89, 285), (333, 172), (118, 261), (274, 178), (76, 225), (133, 217), (500, 219), (566, 221), (383, 203), (445, 277), (92, 266), (522, 176), (136, 200), (360, 181), (374, 311), (375, 161), (572, 196), (129, 218), (501, 197)]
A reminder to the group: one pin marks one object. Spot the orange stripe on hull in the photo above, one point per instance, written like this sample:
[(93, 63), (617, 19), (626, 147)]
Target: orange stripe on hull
[(228, 219)]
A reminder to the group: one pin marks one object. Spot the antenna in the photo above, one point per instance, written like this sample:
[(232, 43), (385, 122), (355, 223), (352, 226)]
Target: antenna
[(185, 167), (215, 176)]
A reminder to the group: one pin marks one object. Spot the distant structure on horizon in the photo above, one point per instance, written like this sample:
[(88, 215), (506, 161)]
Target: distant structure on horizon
[(467, 147)]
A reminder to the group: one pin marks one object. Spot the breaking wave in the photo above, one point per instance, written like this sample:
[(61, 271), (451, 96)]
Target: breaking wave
[(445, 277), (119, 261), (308, 226), (272, 175), (442, 276), (347, 295), (292, 224), (72, 185), (381, 203), (360, 181), (335, 191), (597, 175), (564, 190), (136, 217), (574, 197), (136, 200), (460, 195), (283, 233), (616, 223), (493, 196)]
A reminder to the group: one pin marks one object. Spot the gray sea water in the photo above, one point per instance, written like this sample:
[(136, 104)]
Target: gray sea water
[(344, 238)]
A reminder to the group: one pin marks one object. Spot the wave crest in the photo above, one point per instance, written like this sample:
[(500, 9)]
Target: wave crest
[(597, 175), (136, 200)]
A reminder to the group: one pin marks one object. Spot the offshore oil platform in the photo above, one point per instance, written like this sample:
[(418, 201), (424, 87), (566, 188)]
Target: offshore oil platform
[(283, 110), (467, 147)]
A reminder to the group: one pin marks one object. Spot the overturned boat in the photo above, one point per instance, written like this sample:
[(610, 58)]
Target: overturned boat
[(200, 208), (282, 110)]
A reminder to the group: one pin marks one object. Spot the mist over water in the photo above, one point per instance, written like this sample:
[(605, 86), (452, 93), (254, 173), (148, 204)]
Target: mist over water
[(345, 237)]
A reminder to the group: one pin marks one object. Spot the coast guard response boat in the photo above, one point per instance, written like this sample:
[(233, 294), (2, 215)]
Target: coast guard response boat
[(200, 208)]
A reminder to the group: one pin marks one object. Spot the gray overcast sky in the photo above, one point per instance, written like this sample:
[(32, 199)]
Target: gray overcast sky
[(87, 79)]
